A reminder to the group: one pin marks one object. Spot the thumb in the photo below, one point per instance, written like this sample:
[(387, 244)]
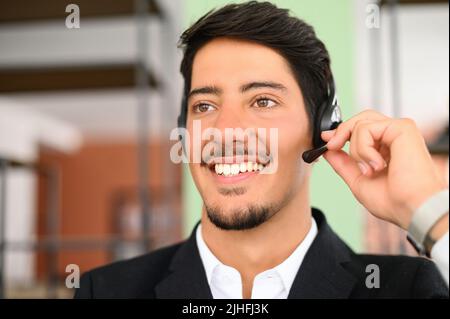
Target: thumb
[(344, 166), (327, 135)]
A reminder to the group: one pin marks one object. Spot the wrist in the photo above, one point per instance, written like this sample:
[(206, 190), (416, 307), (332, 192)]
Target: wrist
[(429, 222), (415, 203)]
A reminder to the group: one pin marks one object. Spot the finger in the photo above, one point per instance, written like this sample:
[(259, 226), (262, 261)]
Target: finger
[(344, 166), (397, 127), (354, 152), (365, 143), (327, 135), (363, 165), (344, 130)]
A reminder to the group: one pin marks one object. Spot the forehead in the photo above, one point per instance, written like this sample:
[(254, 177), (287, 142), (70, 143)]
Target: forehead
[(226, 60)]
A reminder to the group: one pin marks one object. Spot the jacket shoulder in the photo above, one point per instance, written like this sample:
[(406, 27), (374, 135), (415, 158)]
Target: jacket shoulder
[(132, 278), (398, 277)]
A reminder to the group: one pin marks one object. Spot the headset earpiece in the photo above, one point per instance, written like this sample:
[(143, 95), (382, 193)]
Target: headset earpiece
[(328, 118), (181, 120)]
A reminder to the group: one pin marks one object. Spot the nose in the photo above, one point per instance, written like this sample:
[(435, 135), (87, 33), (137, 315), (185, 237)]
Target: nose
[(228, 117), (232, 123)]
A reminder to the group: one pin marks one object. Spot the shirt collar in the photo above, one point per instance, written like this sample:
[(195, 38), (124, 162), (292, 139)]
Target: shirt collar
[(210, 262), (287, 270)]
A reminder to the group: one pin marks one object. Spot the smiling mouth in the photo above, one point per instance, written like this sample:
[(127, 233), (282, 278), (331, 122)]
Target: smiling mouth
[(234, 169), (237, 168)]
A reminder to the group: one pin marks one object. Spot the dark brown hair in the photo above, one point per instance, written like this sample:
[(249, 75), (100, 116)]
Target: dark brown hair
[(264, 23)]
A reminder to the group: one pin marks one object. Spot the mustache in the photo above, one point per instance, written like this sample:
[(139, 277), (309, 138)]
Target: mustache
[(213, 150)]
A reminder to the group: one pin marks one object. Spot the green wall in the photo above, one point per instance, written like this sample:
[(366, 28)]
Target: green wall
[(333, 22)]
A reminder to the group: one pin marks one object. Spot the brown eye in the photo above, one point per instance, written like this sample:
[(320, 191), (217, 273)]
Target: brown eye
[(264, 103), (203, 107)]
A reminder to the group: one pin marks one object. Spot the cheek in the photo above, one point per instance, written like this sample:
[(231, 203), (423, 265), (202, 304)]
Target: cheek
[(293, 140), (195, 170)]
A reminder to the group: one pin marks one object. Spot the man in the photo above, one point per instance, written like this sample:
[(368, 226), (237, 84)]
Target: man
[(252, 65)]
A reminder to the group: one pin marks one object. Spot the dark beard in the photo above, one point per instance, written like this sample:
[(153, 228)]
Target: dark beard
[(241, 219)]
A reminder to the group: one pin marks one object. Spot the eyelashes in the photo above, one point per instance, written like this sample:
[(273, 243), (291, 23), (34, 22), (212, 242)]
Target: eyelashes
[(261, 102), (268, 102), (203, 108)]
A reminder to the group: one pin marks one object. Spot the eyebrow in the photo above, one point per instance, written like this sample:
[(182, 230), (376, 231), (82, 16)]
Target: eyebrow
[(244, 88), (257, 85), (205, 90)]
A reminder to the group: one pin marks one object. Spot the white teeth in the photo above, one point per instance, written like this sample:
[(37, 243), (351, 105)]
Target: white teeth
[(226, 169), (235, 169)]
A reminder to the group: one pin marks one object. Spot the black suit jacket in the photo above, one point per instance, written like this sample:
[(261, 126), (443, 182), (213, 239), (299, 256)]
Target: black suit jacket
[(330, 269)]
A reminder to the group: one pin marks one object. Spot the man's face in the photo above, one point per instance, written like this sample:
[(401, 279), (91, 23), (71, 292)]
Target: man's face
[(240, 84)]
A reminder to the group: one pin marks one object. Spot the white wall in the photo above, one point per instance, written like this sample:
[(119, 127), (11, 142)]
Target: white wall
[(423, 62)]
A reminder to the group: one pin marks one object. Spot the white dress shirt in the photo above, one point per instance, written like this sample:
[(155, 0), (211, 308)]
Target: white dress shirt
[(225, 281)]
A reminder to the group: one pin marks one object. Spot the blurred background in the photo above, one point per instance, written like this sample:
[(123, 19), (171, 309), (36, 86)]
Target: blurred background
[(86, 111)]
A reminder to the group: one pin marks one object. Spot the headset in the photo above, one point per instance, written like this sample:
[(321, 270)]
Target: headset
[(182, 117), (328, 117)]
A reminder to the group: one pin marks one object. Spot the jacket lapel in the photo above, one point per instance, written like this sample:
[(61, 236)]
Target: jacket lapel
[(322, 274), (187, 277)]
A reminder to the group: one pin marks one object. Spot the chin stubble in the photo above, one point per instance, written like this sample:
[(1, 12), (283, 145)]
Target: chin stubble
[(243, 218)]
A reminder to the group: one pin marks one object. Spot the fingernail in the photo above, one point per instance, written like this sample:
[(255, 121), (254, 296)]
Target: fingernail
[(330, 143), (374, 165), (362, 167), (330, 133)]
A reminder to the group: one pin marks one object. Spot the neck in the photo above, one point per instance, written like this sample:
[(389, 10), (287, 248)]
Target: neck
[(266, 246)]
